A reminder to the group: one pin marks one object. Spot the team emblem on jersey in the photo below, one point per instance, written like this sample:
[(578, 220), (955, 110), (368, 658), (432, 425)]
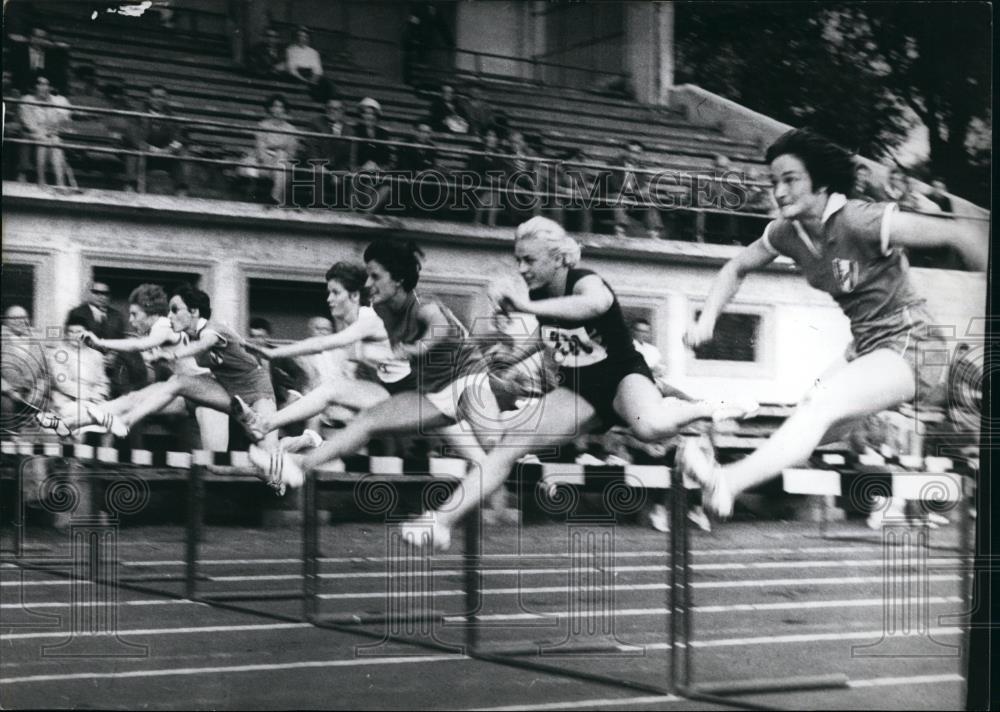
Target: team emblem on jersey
[(845, 272), (573, 348)]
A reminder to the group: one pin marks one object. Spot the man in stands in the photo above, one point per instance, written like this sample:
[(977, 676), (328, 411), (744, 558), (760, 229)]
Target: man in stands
[(336, 155), (631, 183), (37, 54), (161, 136), (266, 58), (477, 111), (446, 114), (414, 160)]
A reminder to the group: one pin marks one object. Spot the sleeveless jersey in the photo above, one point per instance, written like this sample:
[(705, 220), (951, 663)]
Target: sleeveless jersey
[(227, 360), (446, 361), (576, 344), (377, 353)]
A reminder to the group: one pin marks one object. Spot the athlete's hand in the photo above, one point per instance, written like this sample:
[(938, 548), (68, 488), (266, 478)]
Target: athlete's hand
[(698, 333), (508, 297), (88, 338), (258, 351)]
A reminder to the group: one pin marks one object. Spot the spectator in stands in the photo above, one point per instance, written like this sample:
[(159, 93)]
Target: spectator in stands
[(939, 195), (336, 156), (760, 196), (302, 62), (267, 58), (97, 315), (575, 184), (630, 194), (725, 192), (24, 376), (522, 179), (447, 115), (477, 111), (426, 40), (865, 187), (76, 373), (275, 147), (38, 55), (371, 157), (419, 157), (489, 171), (41, 121), (163, 137)]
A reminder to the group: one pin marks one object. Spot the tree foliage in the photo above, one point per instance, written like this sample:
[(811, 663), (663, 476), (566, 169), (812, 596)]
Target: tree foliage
[(850, 71)]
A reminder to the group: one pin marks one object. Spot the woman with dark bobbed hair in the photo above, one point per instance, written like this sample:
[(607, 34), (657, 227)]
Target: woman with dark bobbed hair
[(359, 338), (849, 249), (451, 383)]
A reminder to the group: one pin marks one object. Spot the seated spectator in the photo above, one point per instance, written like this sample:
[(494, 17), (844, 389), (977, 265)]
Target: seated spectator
[(42, 124), (419, 157), (371, 156), (302, 62), (164, 138), (37, 54), (24, 379), (477, 111), (630, 194), (865, 187), (77, 375), (575, 184), (939, 195), (522, 181), (488, 171), (274, 150), (337, 156), (446, 113), (267, 58)]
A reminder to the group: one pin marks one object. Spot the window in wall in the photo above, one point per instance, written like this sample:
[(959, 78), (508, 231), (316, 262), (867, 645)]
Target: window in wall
[(287, 304), (737, 338), (17, 287), (121, 282)]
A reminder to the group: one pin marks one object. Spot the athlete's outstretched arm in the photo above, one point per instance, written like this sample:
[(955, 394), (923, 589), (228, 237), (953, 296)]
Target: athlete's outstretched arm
[(205, 342), (922, 231), (133, 345), (358, 331), (756, 255), (590, 298), (435, 329)]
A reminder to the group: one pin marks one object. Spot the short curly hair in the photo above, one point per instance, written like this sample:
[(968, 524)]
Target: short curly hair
[(829, 166), (151, 298)]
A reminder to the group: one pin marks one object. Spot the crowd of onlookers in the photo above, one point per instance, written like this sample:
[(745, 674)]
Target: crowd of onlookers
[(344, 156)]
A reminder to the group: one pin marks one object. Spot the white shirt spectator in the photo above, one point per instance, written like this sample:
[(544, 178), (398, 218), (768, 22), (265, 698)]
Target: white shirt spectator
[(298, 58)]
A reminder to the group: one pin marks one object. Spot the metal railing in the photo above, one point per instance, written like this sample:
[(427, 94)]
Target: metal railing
[(548, 178)]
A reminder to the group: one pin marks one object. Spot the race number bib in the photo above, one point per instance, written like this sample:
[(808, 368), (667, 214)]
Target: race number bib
[(573, 348)]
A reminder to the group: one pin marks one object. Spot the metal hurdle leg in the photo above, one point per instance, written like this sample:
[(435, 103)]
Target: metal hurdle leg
[(310, 550), (195, 523), (472, 578)]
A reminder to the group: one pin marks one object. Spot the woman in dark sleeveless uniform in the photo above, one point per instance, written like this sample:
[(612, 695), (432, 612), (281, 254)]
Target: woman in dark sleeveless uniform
[(849, 249), (604, 381), (451, 382)]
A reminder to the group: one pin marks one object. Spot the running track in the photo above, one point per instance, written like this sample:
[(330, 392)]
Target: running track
[(770, 600)]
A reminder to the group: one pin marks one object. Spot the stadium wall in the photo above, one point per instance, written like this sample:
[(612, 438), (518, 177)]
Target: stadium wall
[(232, 246)]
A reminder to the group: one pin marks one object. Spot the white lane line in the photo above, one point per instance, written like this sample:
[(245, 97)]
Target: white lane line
[(349, 575), (627, 612), (728, 642), (663, 699), (230, 669), (819, 581), (728, 608), (30, 606), (916, 680), (580, 704), (252, 628), (519, 556)]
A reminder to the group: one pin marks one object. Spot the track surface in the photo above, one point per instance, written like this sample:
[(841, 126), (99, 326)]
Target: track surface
[(771, 600)]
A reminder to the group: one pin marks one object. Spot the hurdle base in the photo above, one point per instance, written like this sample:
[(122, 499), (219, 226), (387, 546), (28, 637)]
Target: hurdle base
[(768, 685), (551, 652)]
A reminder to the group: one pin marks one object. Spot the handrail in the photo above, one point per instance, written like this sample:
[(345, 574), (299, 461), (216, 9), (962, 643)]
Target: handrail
[(557, 164)]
